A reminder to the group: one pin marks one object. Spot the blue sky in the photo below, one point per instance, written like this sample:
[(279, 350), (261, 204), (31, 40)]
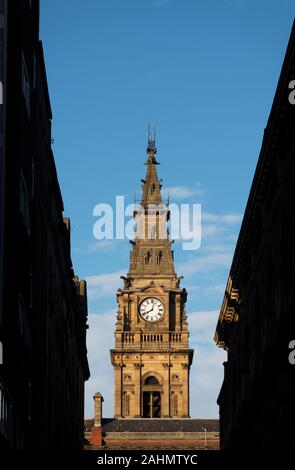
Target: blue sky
[(205, 71)]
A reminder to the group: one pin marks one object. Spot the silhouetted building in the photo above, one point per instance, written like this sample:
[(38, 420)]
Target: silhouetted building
[(43, 305), (257, 318)]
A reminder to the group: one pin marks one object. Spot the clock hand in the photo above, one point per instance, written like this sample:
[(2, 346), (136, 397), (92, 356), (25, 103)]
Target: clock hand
[(155, 310)]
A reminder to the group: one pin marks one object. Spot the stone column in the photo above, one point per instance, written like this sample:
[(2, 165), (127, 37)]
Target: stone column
[(132, 310), (118, 390), (172, 398), (165, 398), (177, 313), (137, 389)]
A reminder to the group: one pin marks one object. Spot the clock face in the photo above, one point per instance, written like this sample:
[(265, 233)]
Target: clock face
[(151, 309)]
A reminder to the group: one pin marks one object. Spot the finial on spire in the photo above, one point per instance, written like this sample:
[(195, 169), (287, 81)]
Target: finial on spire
[(152, 137)]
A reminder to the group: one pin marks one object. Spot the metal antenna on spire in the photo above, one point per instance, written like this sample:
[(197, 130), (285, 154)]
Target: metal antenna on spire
[(151, 135)]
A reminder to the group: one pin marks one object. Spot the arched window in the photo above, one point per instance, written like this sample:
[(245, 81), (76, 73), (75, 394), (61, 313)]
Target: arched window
[(151, 380), (159, 257), (147, 258)]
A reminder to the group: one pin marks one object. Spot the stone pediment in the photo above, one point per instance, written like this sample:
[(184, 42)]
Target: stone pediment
[(151, 289)]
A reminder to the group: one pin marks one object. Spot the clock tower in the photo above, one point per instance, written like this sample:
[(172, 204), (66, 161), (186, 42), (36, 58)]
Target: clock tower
[(151, 358)]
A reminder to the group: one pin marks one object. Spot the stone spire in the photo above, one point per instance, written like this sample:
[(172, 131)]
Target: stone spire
[(151, 188), (151, 254)]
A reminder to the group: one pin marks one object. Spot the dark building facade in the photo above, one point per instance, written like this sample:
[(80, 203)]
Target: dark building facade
[(43, 305), (257, 318)]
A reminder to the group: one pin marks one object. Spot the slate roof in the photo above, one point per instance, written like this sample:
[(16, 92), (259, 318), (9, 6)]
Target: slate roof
[(156, 425)]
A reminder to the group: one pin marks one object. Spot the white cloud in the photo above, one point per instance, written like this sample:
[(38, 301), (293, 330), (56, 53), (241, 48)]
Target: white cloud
[(207, 370), (206, 291), (183, 192), (212, 226), (224, 247), (100, 339), (204, 264), (222, 218), (202, 326), (102, 245), (104, 284), (210, 230), (205, 381), (206, 373), (105, 245)]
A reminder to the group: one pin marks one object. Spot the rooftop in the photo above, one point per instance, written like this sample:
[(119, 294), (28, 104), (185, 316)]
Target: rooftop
[(155, 425)]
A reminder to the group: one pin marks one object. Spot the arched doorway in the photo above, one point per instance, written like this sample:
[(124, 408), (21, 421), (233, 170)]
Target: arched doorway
[(151, 398)]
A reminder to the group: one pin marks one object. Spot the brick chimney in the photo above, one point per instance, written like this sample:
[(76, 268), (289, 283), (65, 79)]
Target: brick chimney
[(96, 431)]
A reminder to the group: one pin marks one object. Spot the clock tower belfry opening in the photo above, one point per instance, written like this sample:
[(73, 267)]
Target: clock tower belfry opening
[(151, 358)]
